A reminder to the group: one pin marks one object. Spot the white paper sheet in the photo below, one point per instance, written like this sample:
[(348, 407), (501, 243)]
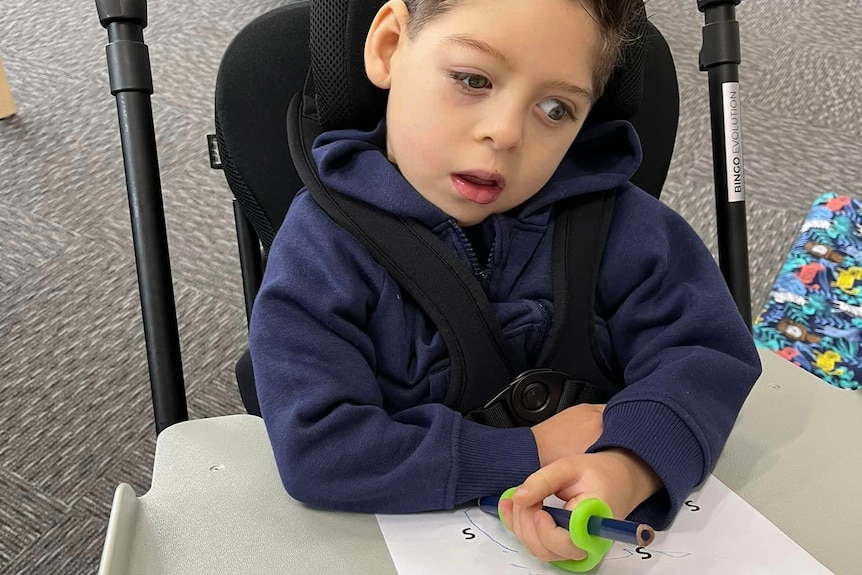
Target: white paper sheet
[(715, 533)]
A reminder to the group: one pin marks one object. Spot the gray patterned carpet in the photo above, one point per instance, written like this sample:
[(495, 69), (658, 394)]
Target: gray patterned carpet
[(75, 409)]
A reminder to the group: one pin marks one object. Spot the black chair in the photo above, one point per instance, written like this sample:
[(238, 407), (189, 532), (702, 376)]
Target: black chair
[(267, 63), (198, 497)]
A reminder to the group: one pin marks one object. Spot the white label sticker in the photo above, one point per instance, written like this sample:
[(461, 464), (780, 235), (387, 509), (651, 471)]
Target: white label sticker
[(733, 142)]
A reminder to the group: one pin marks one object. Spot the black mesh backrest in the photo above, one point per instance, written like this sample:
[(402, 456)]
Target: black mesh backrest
[(267, 63), (345, 97), (623, 93), (262, 68), (657, 117)]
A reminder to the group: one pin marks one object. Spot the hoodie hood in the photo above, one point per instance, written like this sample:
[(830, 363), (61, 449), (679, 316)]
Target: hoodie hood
[(604, 156)]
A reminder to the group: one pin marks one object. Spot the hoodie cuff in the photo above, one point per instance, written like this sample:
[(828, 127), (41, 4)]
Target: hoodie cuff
[(490, 460), (656, 434)]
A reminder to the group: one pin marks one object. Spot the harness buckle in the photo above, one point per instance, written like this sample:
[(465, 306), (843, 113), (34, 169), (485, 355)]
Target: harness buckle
[(533, 396)]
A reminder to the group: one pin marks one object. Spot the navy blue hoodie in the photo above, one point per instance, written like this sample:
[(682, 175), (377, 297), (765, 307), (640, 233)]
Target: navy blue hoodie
[(350, 372)]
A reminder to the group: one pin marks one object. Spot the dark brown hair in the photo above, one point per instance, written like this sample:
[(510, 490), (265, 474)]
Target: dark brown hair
[(613, 18)]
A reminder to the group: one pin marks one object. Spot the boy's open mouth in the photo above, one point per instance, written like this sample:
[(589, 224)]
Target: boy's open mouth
[(482, 189)]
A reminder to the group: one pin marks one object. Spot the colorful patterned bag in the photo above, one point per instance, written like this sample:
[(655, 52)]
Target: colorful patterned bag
[(813, 316)]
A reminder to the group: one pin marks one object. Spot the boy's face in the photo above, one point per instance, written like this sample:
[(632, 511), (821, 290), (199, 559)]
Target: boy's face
[(486, 99)]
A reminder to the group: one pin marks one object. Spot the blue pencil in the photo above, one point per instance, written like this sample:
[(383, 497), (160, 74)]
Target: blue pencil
[(616, 529)]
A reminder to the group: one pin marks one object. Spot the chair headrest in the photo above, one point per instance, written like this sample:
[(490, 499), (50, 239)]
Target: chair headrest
[(347, 99)]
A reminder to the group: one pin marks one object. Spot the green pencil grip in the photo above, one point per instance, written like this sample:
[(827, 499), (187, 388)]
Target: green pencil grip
[(595, 547)]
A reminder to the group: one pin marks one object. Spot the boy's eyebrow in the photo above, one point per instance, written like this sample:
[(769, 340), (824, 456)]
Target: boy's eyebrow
[(572, 88), (476, 44)]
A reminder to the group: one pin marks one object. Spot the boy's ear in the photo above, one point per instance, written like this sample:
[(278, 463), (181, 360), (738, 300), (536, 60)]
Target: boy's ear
[(384, 37)]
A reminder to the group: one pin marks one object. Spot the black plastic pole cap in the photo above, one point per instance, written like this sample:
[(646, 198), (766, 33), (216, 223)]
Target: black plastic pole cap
[(132, 11), (704, 4)]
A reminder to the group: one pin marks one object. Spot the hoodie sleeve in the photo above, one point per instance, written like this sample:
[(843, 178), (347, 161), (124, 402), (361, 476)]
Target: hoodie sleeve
[(688, 359), (336, 443)]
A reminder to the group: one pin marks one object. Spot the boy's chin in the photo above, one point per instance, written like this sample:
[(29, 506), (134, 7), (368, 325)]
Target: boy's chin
[(470, 221), (464, 217)]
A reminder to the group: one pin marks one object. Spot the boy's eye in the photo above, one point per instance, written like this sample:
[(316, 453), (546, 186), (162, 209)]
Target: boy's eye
[(471, 81), (555, 110)]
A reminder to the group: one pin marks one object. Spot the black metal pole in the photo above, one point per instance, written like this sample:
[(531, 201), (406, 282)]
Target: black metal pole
[(720, 57), (250, 258), (131, 83)]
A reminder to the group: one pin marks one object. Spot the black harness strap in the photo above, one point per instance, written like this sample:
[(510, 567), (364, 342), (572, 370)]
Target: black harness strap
[(580, 234)]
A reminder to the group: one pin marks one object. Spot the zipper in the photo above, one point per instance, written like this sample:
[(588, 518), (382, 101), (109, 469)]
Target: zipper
[(481, 274)]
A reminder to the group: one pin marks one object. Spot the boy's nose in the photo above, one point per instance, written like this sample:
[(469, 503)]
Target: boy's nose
[(502, 128)]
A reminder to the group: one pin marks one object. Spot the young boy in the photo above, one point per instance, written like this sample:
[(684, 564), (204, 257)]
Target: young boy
[(484, 131)]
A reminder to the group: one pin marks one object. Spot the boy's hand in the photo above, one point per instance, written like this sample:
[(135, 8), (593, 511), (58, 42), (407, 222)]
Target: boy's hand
[(616, 476), (570, 432)]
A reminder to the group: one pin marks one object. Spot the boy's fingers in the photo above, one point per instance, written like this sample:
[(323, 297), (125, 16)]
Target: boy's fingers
[(548, 480), (505, 508), (528, 524), (555, 539), (573, 502)]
